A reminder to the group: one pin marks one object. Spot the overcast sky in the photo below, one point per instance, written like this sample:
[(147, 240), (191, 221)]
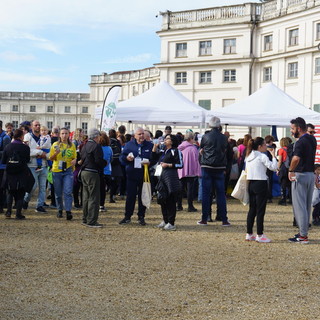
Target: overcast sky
[(56, 45)]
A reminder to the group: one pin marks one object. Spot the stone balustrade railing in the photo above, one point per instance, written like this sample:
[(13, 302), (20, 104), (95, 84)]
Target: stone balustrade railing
[(125, 76), (8, 95), (233, 14)]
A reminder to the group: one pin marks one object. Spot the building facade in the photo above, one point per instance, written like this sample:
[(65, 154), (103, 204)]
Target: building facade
[(214, 56), (217, 56), (72, 110)]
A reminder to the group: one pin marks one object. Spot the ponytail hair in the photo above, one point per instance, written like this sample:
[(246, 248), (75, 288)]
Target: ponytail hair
[(253, 144)]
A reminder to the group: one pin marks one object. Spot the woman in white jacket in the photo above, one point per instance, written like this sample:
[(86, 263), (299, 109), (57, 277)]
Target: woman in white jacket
[(257, 164)]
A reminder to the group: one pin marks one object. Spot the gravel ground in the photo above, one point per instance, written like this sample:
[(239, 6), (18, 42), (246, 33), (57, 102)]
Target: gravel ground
[(58, 269)]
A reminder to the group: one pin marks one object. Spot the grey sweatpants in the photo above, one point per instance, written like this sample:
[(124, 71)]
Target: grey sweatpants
[(302, 190)]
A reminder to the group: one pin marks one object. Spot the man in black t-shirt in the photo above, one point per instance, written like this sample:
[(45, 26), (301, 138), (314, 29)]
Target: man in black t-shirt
[(301, 174)]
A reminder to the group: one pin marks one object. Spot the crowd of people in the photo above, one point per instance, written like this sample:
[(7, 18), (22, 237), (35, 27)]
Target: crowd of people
[(74, 169)]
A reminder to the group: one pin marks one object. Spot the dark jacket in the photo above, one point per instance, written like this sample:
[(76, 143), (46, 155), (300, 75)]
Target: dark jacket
[(92, 157), (4, 141), (24, 178), (169, 176), (116, 170), (143, 151), (214, 145)]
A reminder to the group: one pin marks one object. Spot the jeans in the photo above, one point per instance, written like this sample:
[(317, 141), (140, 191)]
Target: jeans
[(213, 178), (200, 189), (63, 184), (41, 179)]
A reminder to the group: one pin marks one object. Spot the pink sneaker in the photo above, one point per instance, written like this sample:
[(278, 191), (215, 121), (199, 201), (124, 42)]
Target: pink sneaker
[(250, 237), (262, 239)]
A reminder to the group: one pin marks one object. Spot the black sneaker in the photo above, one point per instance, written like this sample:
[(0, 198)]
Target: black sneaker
[(25, 205), (282, 202), (316, 222), (8, 214), (125, 221), (59, 214), (192, 209), (69, 215), (96, 225), (179, 208), (45, 205), (41, 209), (141, 222), (20, 217)]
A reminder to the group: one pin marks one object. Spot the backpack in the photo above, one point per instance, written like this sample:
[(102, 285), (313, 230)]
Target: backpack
[(290, 153), (14, 164), (287, 161), (116, 151)]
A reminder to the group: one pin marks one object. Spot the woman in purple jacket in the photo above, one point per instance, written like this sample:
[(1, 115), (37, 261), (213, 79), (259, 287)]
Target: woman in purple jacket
[(190, 171)]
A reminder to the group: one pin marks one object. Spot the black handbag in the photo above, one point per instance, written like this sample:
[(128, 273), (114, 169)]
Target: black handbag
[(162, 192)]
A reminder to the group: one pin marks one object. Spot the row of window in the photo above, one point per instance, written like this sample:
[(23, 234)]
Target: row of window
[(292, 70), (293, 38), (84, 125), (229, 45), (230, 75), (206, 104), (144, 88), (206, 76), (67, 109)]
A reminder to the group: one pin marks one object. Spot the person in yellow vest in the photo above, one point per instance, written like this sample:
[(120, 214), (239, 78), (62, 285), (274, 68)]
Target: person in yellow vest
[(63, 154)]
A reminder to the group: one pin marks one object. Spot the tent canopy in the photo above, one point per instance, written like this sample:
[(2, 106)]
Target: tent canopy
[(160, 104), (267, 106)]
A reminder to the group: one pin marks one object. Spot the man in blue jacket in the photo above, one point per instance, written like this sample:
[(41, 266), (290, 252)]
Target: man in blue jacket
[(134, 152)]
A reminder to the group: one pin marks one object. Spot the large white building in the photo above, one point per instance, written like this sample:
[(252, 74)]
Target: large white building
[(73, 110), (217, 56)]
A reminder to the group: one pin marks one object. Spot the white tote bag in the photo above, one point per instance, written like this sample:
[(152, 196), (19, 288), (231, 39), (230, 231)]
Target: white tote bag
[(146, 195), (240, 191)]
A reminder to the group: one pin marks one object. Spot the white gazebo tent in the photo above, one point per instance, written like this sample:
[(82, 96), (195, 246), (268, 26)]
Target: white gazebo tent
[(161, 104), (265, 107)]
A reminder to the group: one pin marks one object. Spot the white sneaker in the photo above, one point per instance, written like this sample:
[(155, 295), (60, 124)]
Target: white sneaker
[(169, 227), (161, 225), (102, 209), (262, 239), (250, 237)]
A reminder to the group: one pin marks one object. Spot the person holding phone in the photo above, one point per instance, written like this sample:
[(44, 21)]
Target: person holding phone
[(64, 156)]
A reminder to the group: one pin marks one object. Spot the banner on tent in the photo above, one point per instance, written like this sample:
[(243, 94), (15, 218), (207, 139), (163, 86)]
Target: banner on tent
[(109, 109)]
